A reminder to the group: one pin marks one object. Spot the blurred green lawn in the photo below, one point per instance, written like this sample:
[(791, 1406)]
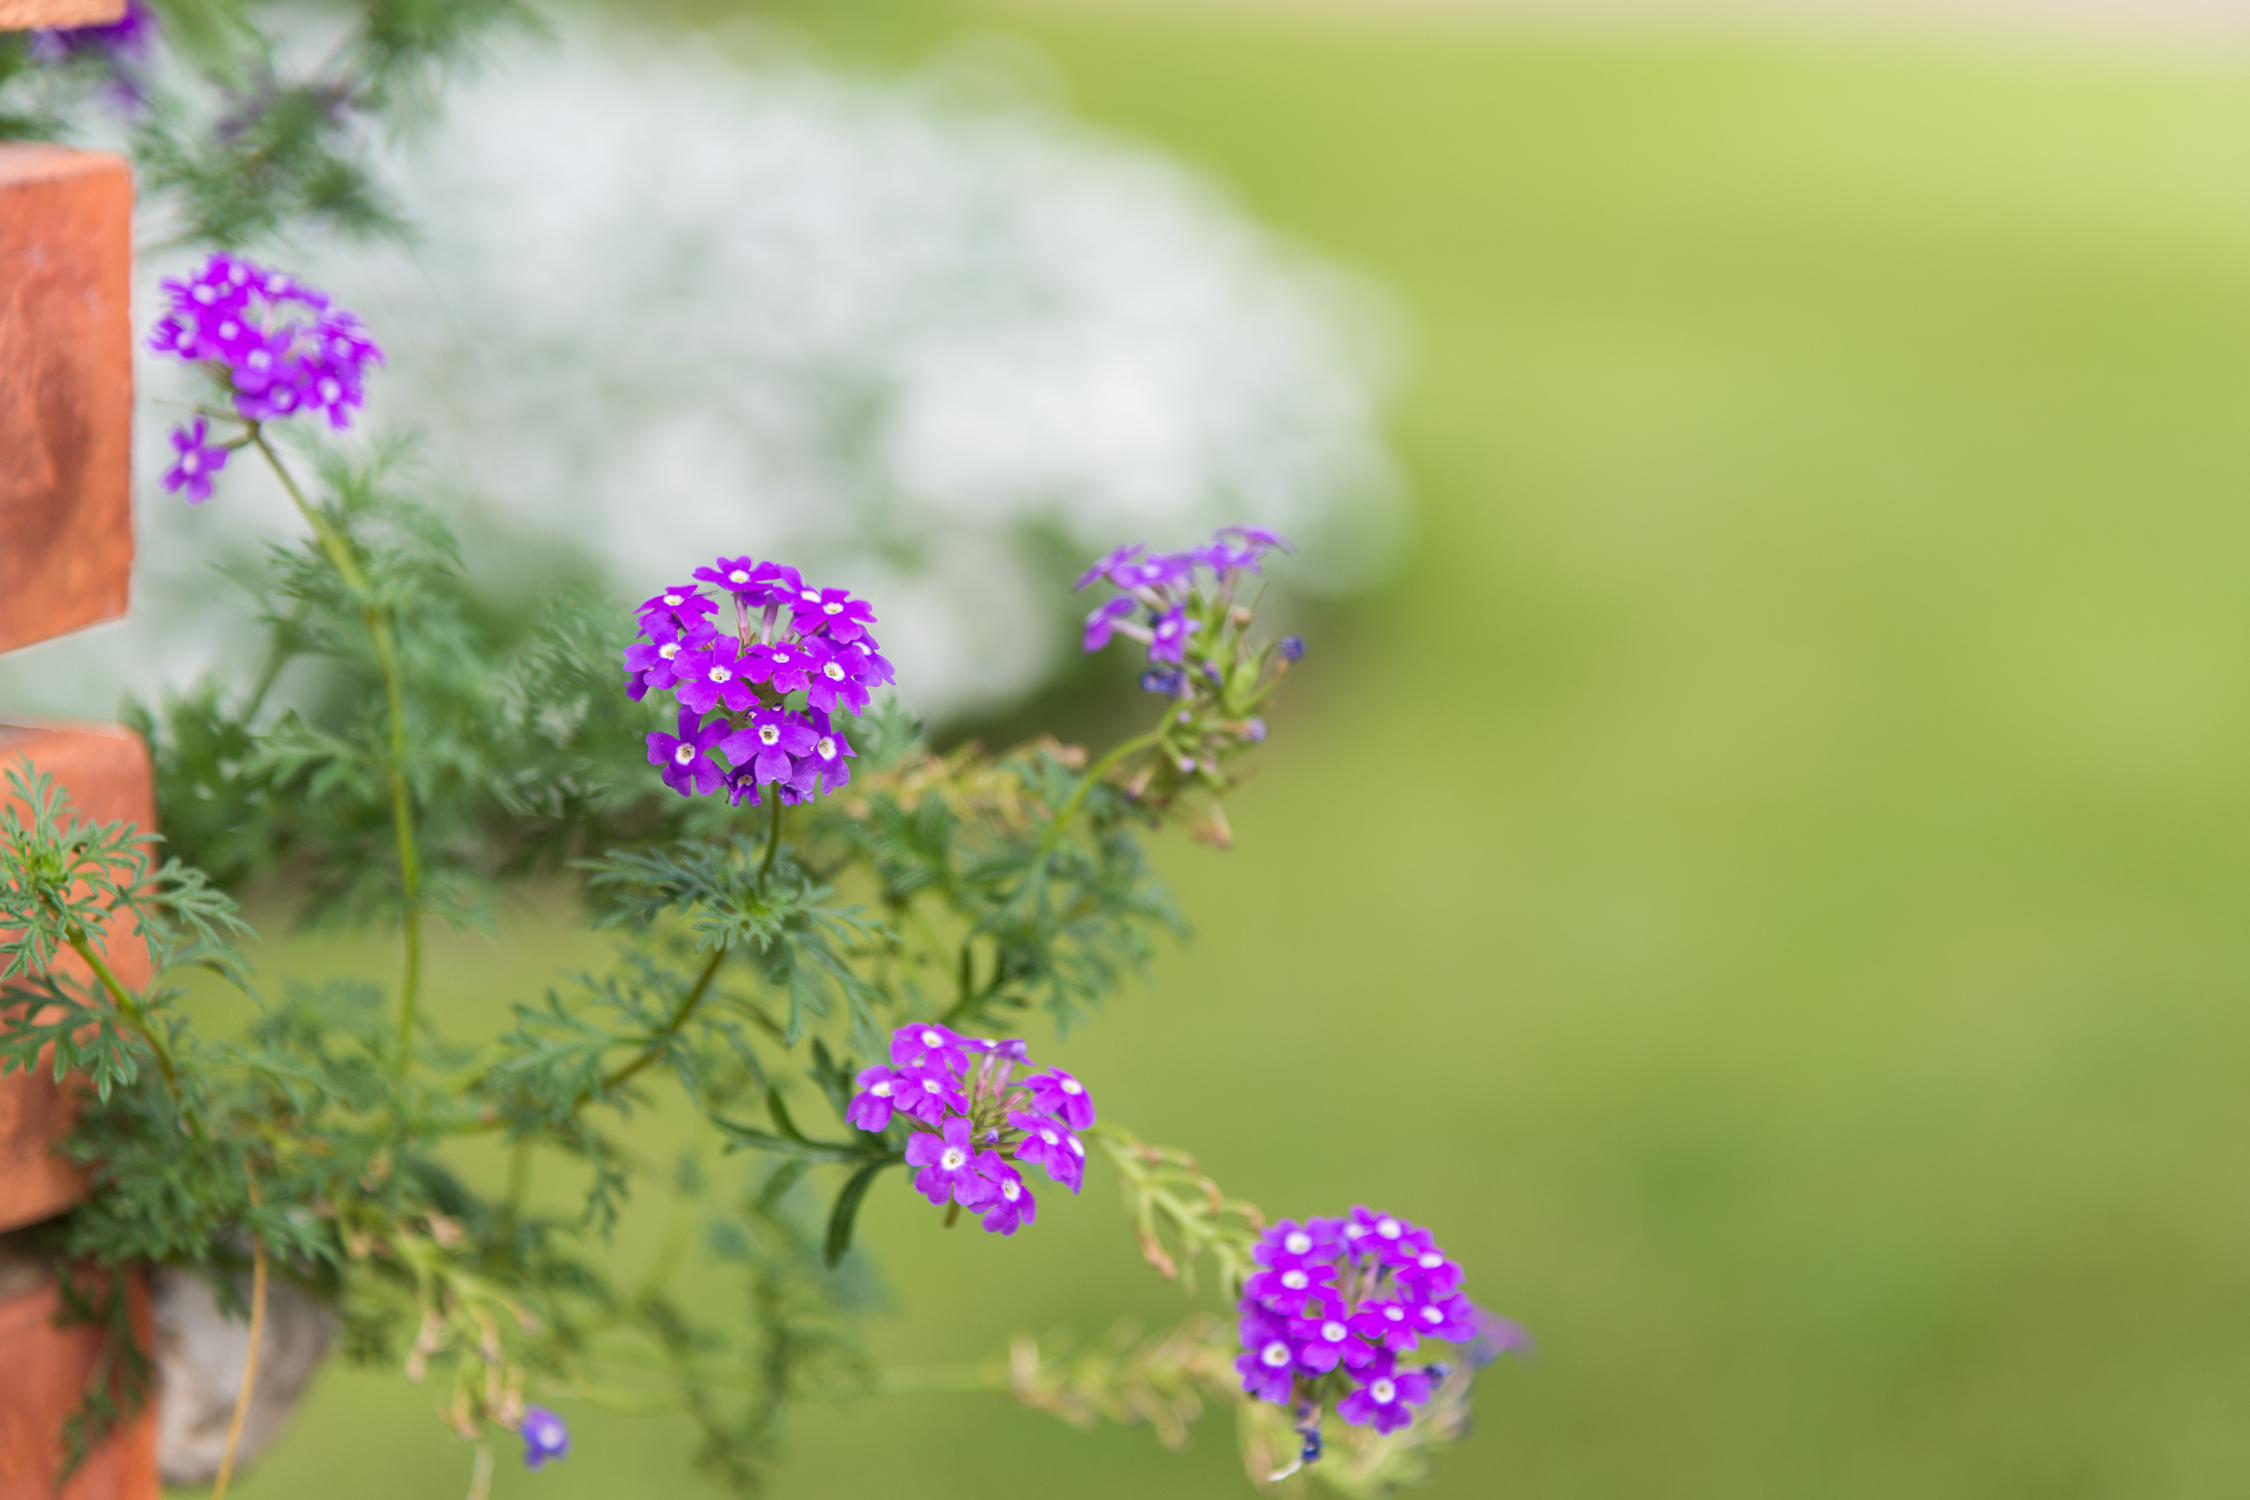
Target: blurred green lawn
[(1768, 881)]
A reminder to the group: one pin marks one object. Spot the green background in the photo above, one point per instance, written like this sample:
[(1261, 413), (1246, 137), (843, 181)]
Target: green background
[(1766, 881)]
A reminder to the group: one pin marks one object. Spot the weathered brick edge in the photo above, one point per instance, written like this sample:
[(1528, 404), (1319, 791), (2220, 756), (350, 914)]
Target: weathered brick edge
[(106, 771), (66, 389)]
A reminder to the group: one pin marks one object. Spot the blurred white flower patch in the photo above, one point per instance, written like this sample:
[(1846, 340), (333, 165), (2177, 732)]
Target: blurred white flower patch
[(926, 338)]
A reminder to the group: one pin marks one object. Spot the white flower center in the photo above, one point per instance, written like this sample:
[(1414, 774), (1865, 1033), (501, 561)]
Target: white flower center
[(1275, 1355), (1076, 1147), (1432, 1316), (1050, 1137), (721, 674), (953, 1158), (932, 1039), (258, 359), (1387, 1228), (1294, 1280), (1333, 1332), (1298, 1243), (330, 390), (1010, 1191), (832, 607), (835, 672), (1431, 1260), (1384, 1392), (738, 576), (674, 600), (769, 735), (229, 329), (190, 462), (205, 295), (1395, 1314), (1072, 1086), (668, 650), (684, 754), (881, 1090), (826, 749)]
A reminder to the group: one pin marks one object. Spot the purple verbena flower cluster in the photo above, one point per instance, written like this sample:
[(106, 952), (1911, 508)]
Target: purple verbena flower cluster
[(1333, 1307), (1160, 589), (279, 347), (1188, 609), (792, 659), (970, 1115)]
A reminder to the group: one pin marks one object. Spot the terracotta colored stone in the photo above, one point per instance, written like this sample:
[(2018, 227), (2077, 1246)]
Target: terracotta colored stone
[(106, 772), (21, 15), (43, 1373), (66, 387)]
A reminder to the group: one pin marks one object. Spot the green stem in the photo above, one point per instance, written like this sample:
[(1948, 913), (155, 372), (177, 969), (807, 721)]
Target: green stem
[(519, 1178), (773, 840), (671, 1028), (127, 1006), (378, 622), (277, 657), (1101, 768)]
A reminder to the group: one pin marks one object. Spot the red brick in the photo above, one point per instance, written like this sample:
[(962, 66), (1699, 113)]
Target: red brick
[(42, 1377), (66, 387), (106, 772), (20, 15)]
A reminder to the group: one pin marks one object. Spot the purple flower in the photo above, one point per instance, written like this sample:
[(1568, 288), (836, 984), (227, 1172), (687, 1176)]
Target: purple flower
[(871, 1107), (686, 756), (1430, 1276), (929, 1095), (1323, 1343), (1055, 1092), (1011, 1205), (1289, 1243), (198, 459), (1453, 1319), (1292, 648), (682, 605), (545, 1438), (1102, 623), (1386, 1322), (835, 674), (1297, 1292), (739, 576), (1257, 537), (703, 679), (126, 37), (948, 1163), (1393, 1239), (1168, 635), (930, 1045), (1047, 1142), (1385, 1403), (767, 745), (834, 611), (1145, 576), (654, 659), (1268, 1364), (781, 664), (1116, 558), (822, 767), (1170, 681)]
